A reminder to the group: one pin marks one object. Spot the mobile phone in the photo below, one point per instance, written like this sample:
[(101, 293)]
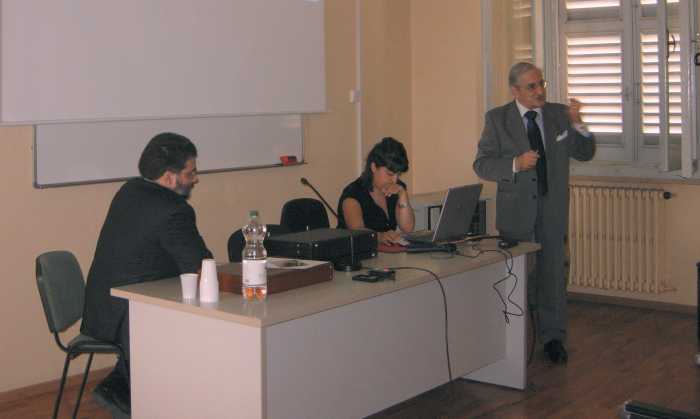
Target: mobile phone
[(365, 278), (383, 273), (507, 243)]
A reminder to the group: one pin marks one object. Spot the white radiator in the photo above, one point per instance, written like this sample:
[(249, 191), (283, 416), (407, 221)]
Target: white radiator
[(616, 238)]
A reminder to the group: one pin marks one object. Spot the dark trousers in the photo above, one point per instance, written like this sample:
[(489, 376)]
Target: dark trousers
[(546, 287), (122, 366), (118, 382)]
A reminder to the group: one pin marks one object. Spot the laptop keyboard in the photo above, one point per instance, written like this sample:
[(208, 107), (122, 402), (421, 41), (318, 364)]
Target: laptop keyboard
[(419, 236), (420, 245), (424, 247)]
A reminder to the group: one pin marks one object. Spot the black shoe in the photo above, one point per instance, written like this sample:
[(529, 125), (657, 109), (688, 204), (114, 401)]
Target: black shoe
[(556, 352), (122, 398), (112, 393), (102, 396)]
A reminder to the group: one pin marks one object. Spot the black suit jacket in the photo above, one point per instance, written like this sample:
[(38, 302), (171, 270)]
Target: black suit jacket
[(150, 233)]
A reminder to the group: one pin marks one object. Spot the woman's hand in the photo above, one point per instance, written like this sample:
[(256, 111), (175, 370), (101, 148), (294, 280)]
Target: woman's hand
[(393, 189), (389, 237)]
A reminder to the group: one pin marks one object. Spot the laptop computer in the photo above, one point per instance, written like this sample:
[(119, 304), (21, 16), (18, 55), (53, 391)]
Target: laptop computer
[(455, 219)]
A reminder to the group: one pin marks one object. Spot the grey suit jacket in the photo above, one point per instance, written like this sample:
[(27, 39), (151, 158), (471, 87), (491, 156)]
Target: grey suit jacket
[(504, 137)]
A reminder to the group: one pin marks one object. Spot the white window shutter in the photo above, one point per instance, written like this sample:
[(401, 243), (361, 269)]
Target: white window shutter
[(592, 9), (651, 89), (594, 76)]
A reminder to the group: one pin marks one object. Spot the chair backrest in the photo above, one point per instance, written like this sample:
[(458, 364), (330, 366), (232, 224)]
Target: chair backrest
[(303, 214), (61, 287), (236, 241)]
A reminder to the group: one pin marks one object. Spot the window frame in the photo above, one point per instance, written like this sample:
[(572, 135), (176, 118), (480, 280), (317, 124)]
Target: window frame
[(617, 149), (632, 156)]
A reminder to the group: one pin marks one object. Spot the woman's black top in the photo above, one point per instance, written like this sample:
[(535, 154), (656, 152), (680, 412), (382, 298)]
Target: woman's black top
[(373, 215)]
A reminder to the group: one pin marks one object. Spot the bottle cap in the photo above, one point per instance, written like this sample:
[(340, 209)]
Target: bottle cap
[(253, 213)]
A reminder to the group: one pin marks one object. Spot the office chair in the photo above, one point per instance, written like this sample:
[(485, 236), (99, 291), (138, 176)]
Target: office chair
[(236, 241), (303, 214), (62, 290), (633, 409)]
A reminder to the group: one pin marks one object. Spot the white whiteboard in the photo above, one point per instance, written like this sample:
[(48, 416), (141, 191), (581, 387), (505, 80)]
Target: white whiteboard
[(74, 153), (88, 60)]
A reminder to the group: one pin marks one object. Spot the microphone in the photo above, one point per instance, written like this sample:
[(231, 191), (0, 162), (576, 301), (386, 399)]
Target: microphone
[(305, 182)]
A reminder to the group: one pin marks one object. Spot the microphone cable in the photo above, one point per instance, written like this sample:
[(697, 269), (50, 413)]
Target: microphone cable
[(444, 305), (508, 260), (508, 256)]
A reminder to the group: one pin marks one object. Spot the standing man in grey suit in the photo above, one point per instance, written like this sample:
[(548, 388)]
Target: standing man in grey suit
[(525, 147)]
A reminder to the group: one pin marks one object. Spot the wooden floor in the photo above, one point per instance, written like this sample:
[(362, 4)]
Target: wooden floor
[(615, 354)]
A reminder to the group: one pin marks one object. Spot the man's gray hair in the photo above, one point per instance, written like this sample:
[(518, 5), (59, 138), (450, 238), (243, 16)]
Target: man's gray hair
[(518, 70)]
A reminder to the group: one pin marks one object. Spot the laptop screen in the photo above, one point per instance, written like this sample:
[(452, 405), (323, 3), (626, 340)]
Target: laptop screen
[(457, 210)]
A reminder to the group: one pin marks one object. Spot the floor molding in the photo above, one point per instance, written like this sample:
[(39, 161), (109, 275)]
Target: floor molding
[(631, 302), (35, 390)]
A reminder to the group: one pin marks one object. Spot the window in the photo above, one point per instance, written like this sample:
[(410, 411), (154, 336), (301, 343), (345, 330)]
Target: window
[(608, 58), (507, 37)]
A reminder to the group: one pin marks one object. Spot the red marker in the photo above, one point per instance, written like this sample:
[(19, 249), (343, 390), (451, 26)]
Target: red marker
[(287, 160)]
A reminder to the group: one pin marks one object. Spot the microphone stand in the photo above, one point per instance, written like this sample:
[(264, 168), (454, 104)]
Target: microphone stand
[(305, 182)]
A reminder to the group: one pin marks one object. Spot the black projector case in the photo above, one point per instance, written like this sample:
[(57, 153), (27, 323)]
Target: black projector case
[(324, 244)]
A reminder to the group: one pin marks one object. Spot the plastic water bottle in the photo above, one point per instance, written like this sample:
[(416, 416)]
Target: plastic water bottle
[(254, 274)]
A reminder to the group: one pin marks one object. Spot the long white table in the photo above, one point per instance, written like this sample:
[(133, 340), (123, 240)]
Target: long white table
[(338, 349)]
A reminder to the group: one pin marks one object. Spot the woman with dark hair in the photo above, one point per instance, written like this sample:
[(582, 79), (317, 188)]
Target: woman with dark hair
[(378, 200)]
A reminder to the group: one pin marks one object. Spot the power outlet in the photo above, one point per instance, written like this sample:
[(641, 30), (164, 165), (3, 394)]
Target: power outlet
[(354, 95)]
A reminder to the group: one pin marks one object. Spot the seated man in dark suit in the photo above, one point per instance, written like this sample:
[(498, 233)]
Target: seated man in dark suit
[(150, 233)]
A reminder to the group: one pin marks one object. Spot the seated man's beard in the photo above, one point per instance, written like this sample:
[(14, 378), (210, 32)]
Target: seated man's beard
[(182, 189)]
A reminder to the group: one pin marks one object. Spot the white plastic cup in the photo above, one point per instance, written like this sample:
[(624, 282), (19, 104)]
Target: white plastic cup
[(189, 286), (208, 282)]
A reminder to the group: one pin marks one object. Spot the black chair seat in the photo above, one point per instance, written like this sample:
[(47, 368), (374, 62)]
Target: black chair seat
[(236, 241), (83, 344)]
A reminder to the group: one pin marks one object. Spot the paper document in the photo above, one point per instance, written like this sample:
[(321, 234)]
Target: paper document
[(284, 263)]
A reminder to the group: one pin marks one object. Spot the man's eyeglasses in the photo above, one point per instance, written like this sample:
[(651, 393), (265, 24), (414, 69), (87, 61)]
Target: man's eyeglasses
[(188, 175), (532, 86)]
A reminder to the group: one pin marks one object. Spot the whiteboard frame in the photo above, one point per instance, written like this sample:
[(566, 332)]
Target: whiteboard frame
[(35, 181)]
